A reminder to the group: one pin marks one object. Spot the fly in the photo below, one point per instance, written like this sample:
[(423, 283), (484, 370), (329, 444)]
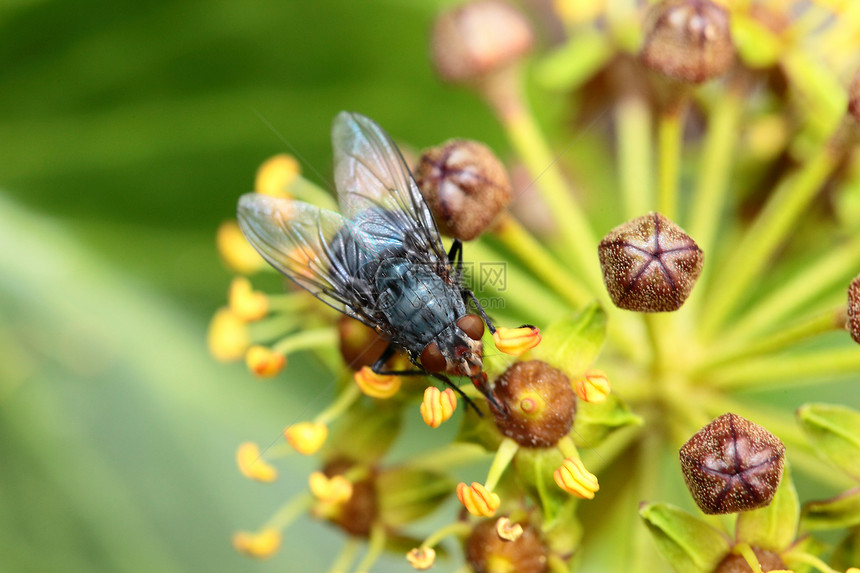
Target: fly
[(380, 260)]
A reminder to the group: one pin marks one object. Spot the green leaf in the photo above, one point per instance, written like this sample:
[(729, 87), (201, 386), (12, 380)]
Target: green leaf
[(835, 513), (773, 527), (835, 432), (572, 343), (689, 544), (595, 421)]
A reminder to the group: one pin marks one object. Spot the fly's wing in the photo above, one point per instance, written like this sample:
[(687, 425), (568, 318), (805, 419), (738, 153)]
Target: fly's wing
[(377, 191), (296, 238)]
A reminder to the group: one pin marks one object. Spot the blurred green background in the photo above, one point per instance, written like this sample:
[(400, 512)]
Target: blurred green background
[(127, 133)]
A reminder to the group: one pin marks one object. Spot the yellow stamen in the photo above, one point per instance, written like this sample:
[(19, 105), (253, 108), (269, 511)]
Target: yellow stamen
[(245, 302), (516, 340), (275, 174), (421, 558), (228, 337), (306, 437), (376, 385), (235, 250), (252, 465), (573, 478), (477, 499), (593, 386), (261, 545), (507, 530), (437, 406), (263, 362), (336, 489)]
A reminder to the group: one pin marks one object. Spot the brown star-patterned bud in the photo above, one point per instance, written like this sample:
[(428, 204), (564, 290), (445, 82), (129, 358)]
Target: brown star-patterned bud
[(732, 465), (487, 552), (649, 264), (852, 322)]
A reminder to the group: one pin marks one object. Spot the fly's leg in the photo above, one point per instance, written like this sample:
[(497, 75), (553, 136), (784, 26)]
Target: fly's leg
[(467, 294), (455, 255)]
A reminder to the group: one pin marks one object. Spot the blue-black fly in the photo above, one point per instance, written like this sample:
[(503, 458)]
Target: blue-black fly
[(380, 260)]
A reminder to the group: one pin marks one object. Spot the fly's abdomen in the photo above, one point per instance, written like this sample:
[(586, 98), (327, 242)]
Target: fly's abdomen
[(417, 302)]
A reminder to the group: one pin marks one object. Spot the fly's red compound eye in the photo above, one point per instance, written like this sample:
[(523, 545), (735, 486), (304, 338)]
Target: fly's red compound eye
[(432, 359), (472, 325)]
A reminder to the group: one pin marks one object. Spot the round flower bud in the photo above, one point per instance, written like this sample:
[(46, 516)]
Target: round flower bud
[(359, 344), (852, 324), (465, 185), (539, 404), (487, 552), (732, 465), (649, 264), (854, 97), (734, 563), (688, 40), (478, 38)]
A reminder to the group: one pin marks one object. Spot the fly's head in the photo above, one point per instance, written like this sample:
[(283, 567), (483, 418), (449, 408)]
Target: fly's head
[(457, 350)]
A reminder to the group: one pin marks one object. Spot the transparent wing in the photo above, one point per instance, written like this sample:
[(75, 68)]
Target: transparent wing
[(297, 239), (375, 188)]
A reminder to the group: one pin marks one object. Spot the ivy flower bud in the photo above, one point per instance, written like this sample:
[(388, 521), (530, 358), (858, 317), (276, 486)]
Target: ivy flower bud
[(376, 385), (735, 563), (732, 465), (852, 324), (539, 403), (593, 387), (477, 39), (688, 40), (336, 489), (477, 499), (487, 552), (357, 514), (854, 97), (275, 174), (507, 530), (437, 406), (649, 264), (465, 185), (421, 558), (306, 437), (360, 345), (261, 545), (252, 465), (228, 337), (235, 250), (516, 341), (573, 478), (264, 362), (245, 302)]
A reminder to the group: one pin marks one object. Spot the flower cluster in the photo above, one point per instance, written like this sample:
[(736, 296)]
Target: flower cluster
[(712, 145)]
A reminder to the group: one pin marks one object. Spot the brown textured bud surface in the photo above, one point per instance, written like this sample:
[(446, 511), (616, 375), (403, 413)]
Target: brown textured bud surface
[(732, 465), (733, 563), (486, 552), (478, 38), (465, 185), (854, 97), (649, 264), (540, 404), (852, 324), (357, 515), (688, 40)]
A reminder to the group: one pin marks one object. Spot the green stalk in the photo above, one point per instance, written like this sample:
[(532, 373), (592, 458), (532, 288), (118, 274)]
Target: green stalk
[(779, 340), (289, 512), (784, 370), (670, 132), (634, 152), (808, 284), (307, 339), (771, 228), (347, 555), (459, 529), (504, 454), (375, 547)]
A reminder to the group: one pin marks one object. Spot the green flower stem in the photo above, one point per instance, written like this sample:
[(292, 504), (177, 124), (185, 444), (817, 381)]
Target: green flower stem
[(786, 370), (634, 155), (289, 512), (453, 455), (346, 557), (613, 446), (745, 551), (344, 401), (655, 325), (773, 226), (812, 281), (781, 339), (375, 547), (670, 132), (288, 302), (807, 559), (528, 141), (506, 452), (457, 529), (272, 327), (715, 171), (307, 339), (557, 564)]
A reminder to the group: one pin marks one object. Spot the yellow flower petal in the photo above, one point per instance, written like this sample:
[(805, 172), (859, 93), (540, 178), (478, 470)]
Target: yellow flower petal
[(376, 385), (252, 465), (477, 499), (275, 174), (516, 340), (263, 362), (437, 406), (261, 545), (306, 437), (573, 478), (228, 337)]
